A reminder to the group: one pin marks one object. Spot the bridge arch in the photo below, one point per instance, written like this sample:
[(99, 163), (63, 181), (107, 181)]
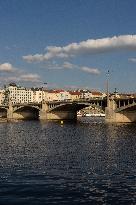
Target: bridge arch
[(3, 112), (73, 106), (26, 112), (67, 107), (129, 107)]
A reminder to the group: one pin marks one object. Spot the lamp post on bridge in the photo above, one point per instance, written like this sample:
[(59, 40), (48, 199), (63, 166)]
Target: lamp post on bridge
[(42, 92), (107, 87)]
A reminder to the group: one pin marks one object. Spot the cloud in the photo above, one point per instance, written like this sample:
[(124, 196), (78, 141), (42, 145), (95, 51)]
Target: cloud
[(90, 46), (90, 70), (56, 66), (68, 65), (30, 77), (49, 55), (132, 60), (10, 79), (7, 70), (53, 66), (33, 78), (7, 67)]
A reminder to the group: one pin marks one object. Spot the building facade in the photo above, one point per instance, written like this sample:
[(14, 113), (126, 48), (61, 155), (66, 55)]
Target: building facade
[(2, 96), (18, 94)]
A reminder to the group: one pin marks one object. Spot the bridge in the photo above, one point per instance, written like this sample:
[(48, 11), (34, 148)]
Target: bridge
[(49, 110), (121, 109), (116, 109)]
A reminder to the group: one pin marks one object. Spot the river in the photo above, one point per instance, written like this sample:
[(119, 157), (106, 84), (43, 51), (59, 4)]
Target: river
[(88, 162)]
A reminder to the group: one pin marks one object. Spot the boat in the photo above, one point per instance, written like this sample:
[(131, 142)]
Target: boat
[(79, 114), (94, 115)]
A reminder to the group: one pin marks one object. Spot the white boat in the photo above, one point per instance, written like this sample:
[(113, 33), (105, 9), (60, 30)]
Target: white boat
[(94, 115), (79, 114)]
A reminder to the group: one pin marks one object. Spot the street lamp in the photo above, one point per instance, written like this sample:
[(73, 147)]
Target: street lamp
[(108, 73), (42, 91)]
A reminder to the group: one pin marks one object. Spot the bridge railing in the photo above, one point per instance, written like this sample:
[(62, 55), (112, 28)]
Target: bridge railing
[(57, 101)]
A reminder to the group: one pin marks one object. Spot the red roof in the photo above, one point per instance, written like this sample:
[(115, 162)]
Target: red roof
[(55, 91), (96, 93), (74, 93)]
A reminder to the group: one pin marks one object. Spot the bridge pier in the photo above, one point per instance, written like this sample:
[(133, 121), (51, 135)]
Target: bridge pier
[(10, 111), (110, 111), (120, 117), (113, 115), (43, 111)]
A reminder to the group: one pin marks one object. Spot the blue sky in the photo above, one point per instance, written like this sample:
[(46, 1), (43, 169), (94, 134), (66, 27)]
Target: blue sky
[(68, 43)]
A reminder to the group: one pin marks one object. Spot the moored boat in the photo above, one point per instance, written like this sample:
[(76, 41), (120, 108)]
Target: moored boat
[(94, 115)]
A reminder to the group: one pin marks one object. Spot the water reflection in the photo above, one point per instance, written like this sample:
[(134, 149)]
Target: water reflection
[(88, 162)]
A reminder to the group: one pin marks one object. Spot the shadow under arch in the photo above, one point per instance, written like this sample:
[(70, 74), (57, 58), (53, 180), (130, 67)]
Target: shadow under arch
[(26, 112), (3, 112)]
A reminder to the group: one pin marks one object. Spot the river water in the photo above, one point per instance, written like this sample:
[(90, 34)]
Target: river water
[(88, 162)]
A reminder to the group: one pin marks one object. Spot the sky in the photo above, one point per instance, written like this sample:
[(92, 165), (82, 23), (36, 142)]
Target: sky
[(68, 44)]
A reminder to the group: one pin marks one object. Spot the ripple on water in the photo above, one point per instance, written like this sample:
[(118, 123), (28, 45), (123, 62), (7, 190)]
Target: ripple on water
[(77, 163)]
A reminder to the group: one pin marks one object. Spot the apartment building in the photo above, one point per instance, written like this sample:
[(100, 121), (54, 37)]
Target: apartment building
[(57, 95), (97, 94), (64, 95), (87, 94), (39, 95), (2, 96), (75, 95), (18, 94)]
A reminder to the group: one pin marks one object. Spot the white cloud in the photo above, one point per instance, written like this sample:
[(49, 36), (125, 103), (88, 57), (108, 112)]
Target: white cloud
[(68, 65), (90, 46), (44, 57), (7, 70), (56, 66), (91, 70), (22, 78), (11, 79), (53, 66), (132, 60), (7, 67), (30, 77)]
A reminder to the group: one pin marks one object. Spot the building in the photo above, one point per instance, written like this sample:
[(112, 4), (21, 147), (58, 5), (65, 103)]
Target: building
[(85, 94), (55, 95), (97, 94), (2, 96), (75, 95), (18, 94), (64, 95)]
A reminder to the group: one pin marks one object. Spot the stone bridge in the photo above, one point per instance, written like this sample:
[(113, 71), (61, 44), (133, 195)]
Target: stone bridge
[(116, 109), (76, 105), (48, 110), (121, 110)]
